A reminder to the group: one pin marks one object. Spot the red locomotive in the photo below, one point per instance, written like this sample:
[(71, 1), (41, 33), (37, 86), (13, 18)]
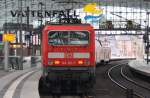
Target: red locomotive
[(68, 59)]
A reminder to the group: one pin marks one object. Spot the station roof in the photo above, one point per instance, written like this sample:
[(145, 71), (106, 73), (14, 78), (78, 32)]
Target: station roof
[(6, 6)]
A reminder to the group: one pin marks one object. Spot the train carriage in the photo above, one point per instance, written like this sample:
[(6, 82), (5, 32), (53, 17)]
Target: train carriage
[(103, 55)]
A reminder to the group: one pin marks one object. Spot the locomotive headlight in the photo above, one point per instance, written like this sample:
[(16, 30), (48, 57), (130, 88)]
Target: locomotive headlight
[(80, 62), (56, 62)]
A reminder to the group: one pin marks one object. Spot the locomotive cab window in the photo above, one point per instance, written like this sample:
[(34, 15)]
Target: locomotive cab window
[(68, 38)]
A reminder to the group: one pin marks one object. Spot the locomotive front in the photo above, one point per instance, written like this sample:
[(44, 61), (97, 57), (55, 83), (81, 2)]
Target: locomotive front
[(68, 58)]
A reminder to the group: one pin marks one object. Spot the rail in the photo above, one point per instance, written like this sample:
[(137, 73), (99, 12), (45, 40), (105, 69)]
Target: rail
[(120, 85)]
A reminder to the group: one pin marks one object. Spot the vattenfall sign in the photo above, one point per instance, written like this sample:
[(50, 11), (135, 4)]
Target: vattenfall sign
[(38, 13)]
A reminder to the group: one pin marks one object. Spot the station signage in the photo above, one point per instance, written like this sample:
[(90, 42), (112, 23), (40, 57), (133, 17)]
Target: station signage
[(8, 37), (94, 13), (68, 13), (1, 38), (1, 41)]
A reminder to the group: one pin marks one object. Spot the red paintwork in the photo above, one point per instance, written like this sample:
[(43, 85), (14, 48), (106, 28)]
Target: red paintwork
[(68, 49)]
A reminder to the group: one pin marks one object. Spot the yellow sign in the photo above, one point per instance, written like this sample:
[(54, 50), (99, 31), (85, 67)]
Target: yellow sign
[(8, 37), (91, 8)]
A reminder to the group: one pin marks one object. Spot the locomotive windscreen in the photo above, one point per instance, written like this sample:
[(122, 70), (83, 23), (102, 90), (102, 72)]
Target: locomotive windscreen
[(68, 38)]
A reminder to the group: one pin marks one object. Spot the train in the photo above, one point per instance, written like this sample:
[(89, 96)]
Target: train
[(68, 59), (102, 53)]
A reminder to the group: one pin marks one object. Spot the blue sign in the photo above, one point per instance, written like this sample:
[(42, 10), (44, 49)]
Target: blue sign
[(1, 38)]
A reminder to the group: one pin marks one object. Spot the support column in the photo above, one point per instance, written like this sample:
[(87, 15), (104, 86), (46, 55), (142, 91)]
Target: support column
[(6, 56)]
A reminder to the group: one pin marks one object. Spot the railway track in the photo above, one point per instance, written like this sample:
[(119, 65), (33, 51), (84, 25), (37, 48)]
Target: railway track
[(100, 91), (119, 77), (128, 75), (67, 97)]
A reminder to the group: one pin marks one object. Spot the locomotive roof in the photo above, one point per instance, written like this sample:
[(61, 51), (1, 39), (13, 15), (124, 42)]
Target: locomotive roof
[(68, 27), (68, 24)]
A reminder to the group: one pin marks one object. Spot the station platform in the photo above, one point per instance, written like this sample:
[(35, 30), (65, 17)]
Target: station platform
[(26, 66), (140, 66), (20, 83), (30, 87), (4, 73), (115, 58)]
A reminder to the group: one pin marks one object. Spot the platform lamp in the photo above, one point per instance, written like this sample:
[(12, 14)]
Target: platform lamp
[(147, 33), (146, 37), (41, 19), (6, 44), (20, 36)]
